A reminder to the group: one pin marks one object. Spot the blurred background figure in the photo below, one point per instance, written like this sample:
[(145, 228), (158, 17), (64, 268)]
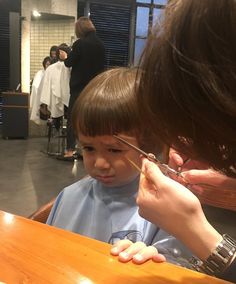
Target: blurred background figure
[(35, 94), (55, 90), (53, 54)]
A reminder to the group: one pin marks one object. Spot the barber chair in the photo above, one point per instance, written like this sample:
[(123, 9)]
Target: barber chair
[(41, 214), (56, 134)]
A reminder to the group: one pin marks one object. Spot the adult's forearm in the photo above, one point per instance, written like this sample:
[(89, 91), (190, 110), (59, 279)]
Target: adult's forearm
[(200, 237)]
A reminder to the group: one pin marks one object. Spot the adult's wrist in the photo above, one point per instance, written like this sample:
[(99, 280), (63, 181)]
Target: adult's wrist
[(200, 237)]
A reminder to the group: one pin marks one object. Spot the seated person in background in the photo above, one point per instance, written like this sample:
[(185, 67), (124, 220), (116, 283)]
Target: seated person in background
[(54, 89), (53, 54), (103, 205), (35, 94)]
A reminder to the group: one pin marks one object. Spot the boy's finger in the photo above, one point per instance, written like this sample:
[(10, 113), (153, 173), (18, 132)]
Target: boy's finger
[(120, 246), (128, 254), (145, 254), (159, 258)]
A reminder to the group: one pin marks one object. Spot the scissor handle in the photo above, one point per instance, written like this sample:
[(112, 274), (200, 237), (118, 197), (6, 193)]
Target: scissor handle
[(163, 167)]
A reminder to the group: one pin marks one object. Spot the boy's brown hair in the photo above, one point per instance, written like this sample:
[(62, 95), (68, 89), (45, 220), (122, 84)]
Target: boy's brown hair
[(108, 106)]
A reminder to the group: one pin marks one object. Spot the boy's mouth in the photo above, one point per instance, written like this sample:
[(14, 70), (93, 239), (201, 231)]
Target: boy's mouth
[(105, 179)]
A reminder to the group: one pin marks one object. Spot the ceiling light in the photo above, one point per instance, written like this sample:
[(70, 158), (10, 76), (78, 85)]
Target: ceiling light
[(36, 13)]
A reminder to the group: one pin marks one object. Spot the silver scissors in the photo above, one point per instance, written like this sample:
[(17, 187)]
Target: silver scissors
[(151, 157)]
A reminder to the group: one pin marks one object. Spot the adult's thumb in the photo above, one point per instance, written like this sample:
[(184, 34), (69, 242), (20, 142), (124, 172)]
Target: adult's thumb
[(152, 172)]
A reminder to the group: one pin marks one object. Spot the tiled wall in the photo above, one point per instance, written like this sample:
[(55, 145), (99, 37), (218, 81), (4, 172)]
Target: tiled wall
[(44, 34)]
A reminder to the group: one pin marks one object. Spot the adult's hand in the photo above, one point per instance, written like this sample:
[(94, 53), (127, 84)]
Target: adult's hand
[(181, 162), (211, 187), (175, 209)]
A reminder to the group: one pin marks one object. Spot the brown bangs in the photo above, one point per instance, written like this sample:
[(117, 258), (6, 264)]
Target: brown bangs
[(108, 105)]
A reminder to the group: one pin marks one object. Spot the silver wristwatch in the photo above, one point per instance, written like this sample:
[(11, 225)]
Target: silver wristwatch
[(219, 259)]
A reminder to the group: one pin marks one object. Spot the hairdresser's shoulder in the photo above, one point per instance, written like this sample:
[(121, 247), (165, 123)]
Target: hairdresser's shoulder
[(77, 43)]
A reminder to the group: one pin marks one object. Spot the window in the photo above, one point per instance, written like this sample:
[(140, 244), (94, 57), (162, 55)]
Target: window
[(112, 23), (157, 15), (123, 26), (142, 21), (160, 2), (148, 12), (144, 1)]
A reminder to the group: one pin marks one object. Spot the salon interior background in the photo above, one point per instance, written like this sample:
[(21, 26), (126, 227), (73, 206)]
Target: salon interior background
[(25, 40)]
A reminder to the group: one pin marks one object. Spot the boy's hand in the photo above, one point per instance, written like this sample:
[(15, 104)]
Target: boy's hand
[(137, 252)]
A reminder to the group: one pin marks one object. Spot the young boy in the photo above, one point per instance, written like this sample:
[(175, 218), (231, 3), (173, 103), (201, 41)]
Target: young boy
[(103, 205)]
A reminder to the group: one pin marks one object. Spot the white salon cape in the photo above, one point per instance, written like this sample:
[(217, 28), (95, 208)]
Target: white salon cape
[(35, 96), (108, 214), (55, 90)]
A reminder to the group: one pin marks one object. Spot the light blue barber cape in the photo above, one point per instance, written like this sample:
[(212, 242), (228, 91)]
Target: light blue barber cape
[(107, 214), (89, 208)]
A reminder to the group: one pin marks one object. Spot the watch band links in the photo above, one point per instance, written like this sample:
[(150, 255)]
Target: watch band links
[(219, 259)]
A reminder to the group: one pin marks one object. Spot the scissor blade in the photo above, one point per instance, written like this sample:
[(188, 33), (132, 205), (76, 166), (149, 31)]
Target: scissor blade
[(131, 145), (164, 168)]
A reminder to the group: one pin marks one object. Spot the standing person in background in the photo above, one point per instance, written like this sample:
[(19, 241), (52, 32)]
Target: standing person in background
[(87, 59)]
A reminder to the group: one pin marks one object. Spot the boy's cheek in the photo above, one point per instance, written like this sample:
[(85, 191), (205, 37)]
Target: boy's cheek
[(87, 163)]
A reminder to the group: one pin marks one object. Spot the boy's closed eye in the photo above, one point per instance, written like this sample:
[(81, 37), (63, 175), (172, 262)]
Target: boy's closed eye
[(87, 148), (115, 151)]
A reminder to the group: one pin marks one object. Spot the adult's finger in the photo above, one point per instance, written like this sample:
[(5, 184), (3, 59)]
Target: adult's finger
[(208, 176), (175, 159), (152, 173)]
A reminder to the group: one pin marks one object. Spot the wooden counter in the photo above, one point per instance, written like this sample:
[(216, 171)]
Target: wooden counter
[(31, 252)]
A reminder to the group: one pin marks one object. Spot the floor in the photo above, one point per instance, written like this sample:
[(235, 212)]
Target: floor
[(30, 178)]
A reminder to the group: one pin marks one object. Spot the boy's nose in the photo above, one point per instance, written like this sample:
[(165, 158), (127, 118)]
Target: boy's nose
[(101, 163)]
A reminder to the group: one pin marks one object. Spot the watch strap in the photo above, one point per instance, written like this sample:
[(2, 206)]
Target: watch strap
[(219, 259)]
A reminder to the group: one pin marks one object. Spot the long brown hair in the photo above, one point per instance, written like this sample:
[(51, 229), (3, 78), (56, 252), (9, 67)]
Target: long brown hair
[(188, 81), (83, 26)]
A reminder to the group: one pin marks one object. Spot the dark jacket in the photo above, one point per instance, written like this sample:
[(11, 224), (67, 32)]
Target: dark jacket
[(87, 59)]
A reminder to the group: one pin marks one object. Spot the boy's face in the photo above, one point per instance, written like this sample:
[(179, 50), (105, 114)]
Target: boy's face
[(106, 159)]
